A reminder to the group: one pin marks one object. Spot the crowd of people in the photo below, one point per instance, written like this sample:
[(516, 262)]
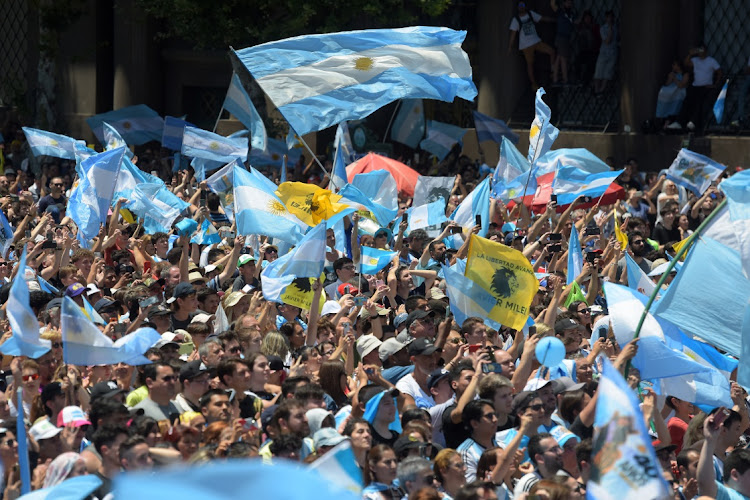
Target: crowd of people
[(432, 409)]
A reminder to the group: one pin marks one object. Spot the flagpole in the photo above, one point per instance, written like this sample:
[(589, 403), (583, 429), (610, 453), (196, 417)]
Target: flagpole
[(531, 167), (393, 115), (315, 157), (218, 119), (672, 264)]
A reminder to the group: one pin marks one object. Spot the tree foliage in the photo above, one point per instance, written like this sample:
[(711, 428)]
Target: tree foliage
[(243, 23)]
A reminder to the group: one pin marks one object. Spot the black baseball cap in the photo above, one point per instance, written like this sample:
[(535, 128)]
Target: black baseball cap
[(436, 376), (106, 389), (421, 346), (417, 314), (192, 369)]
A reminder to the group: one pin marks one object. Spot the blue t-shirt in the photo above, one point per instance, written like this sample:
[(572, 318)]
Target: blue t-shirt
[(724, 493)]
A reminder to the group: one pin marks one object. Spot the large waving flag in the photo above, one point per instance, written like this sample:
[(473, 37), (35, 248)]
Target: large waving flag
[(621, 445), (113, 139), (172, 135), (221, 183), (441, 137), (467, 298), (239, 104), (257, 209), (75, 488), (676, 374), (310, 203), (379, 186), (571, 157), (317, 81), (572, 182), (306, 260), (637, 279), (431, 214), (575, 256), (89, 205), (429, 189), (409, 125), (222, 480), (373, 260), (542, 133), (694, 171), (25, 340), (338, 173), (510, 164), (493, 129), (339, 466), (274, 154), (136, 124), (707, 355), (206, 234), (507, 275), (476, 203), (719, 104), (6, 235), (352, 196), (84, 344), (129, 177), (200, 143), (43, 143), (157, 205), (517, 188)]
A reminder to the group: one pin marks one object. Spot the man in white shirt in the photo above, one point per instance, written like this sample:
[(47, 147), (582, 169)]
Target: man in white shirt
[(706, 75), (523, 26)]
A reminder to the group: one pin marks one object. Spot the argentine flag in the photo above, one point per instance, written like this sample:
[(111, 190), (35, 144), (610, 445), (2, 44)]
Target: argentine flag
[(467, 299), (136, 124), (571, 157), (542, 133), (637, 279), (373, 260), (511, 162), (89, 205), (113, 140), (493, 129), (273, 154), (157, 205), (694, 171), (239, 104), (408, 126), (257, 209), (172, 135), (43, 143), (431, 214), (379, 186), (130, 176), (572, 182), (575, 256), (317, 81), (719, 104), (476, 203), (441, 137), (352, 196), (199, 143)]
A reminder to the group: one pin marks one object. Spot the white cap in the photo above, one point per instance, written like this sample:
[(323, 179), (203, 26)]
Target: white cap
[(44, 429), (209, 268), (202, 318), (92, 289), (535, 384), (330, 307)]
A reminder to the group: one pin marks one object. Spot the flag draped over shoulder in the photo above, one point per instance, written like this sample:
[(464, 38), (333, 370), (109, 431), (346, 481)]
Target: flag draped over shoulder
[(409, 124), (507, 275), (317, 81), (623, 462)]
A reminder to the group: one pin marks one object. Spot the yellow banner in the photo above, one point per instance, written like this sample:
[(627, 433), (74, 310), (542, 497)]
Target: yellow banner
[(300, 293), (507, 275), (622, 238), (308, 202)]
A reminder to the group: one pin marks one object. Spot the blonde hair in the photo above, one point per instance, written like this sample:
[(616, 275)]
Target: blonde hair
[(275, 344)]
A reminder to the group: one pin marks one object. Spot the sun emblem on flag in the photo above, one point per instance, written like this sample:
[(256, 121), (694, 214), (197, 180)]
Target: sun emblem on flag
[(276, 207), (363, 64), (214, 146), (275, 157), (373, 261), (512, 192), (127, 125), (53, 142)]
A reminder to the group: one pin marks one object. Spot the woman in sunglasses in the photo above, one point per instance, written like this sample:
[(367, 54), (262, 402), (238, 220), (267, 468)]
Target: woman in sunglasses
[(26, 376)]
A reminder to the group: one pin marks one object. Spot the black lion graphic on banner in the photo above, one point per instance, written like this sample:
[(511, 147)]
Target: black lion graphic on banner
[(504, 282)]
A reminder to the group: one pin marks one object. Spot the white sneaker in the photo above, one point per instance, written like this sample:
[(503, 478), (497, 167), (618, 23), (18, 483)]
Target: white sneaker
[(691, 126), (674, 126)]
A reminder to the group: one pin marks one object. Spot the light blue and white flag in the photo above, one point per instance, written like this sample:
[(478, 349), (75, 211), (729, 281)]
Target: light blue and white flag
[(572, 182), (89, 204), (283, 172), (510, 164), (43, 143), (517, 188), (317, 81), (136, 124), (339, 466), (707, 355), (441, 137), (344, 139), (75, 488), (676, 374), (172, 135), (293, 140), (91, 313), (694, 171), (542, 133), (373, 260), (84, 344), (274, 154), (431, 214), (429, 189), (571, 157), (6, 235), (25, 340), (637, 279), (409, 125), (379, 186), (46, 286), (157, 205), (258, 210), (476, 203), (493, 129), (221, 480), (339, 178), (238, 103), (200, 143), (129, 177), (206, 234), (719, 104), (623, 462), (352, 196), (575, 256), (737, 191), (113, 140), (467, 299), (306, 260)]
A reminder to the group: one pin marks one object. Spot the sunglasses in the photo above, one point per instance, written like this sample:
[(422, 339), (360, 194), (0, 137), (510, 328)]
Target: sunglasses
[(26, 378), (2, 264), (585, 311), (457, 340), (538, 407), (56, 345), (60, 184), (271, 250), (9, 442), (170, 378)]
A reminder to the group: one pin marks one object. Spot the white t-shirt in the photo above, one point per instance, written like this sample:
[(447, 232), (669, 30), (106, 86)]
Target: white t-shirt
[(703, 70), (528, 35), (409, 385)]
